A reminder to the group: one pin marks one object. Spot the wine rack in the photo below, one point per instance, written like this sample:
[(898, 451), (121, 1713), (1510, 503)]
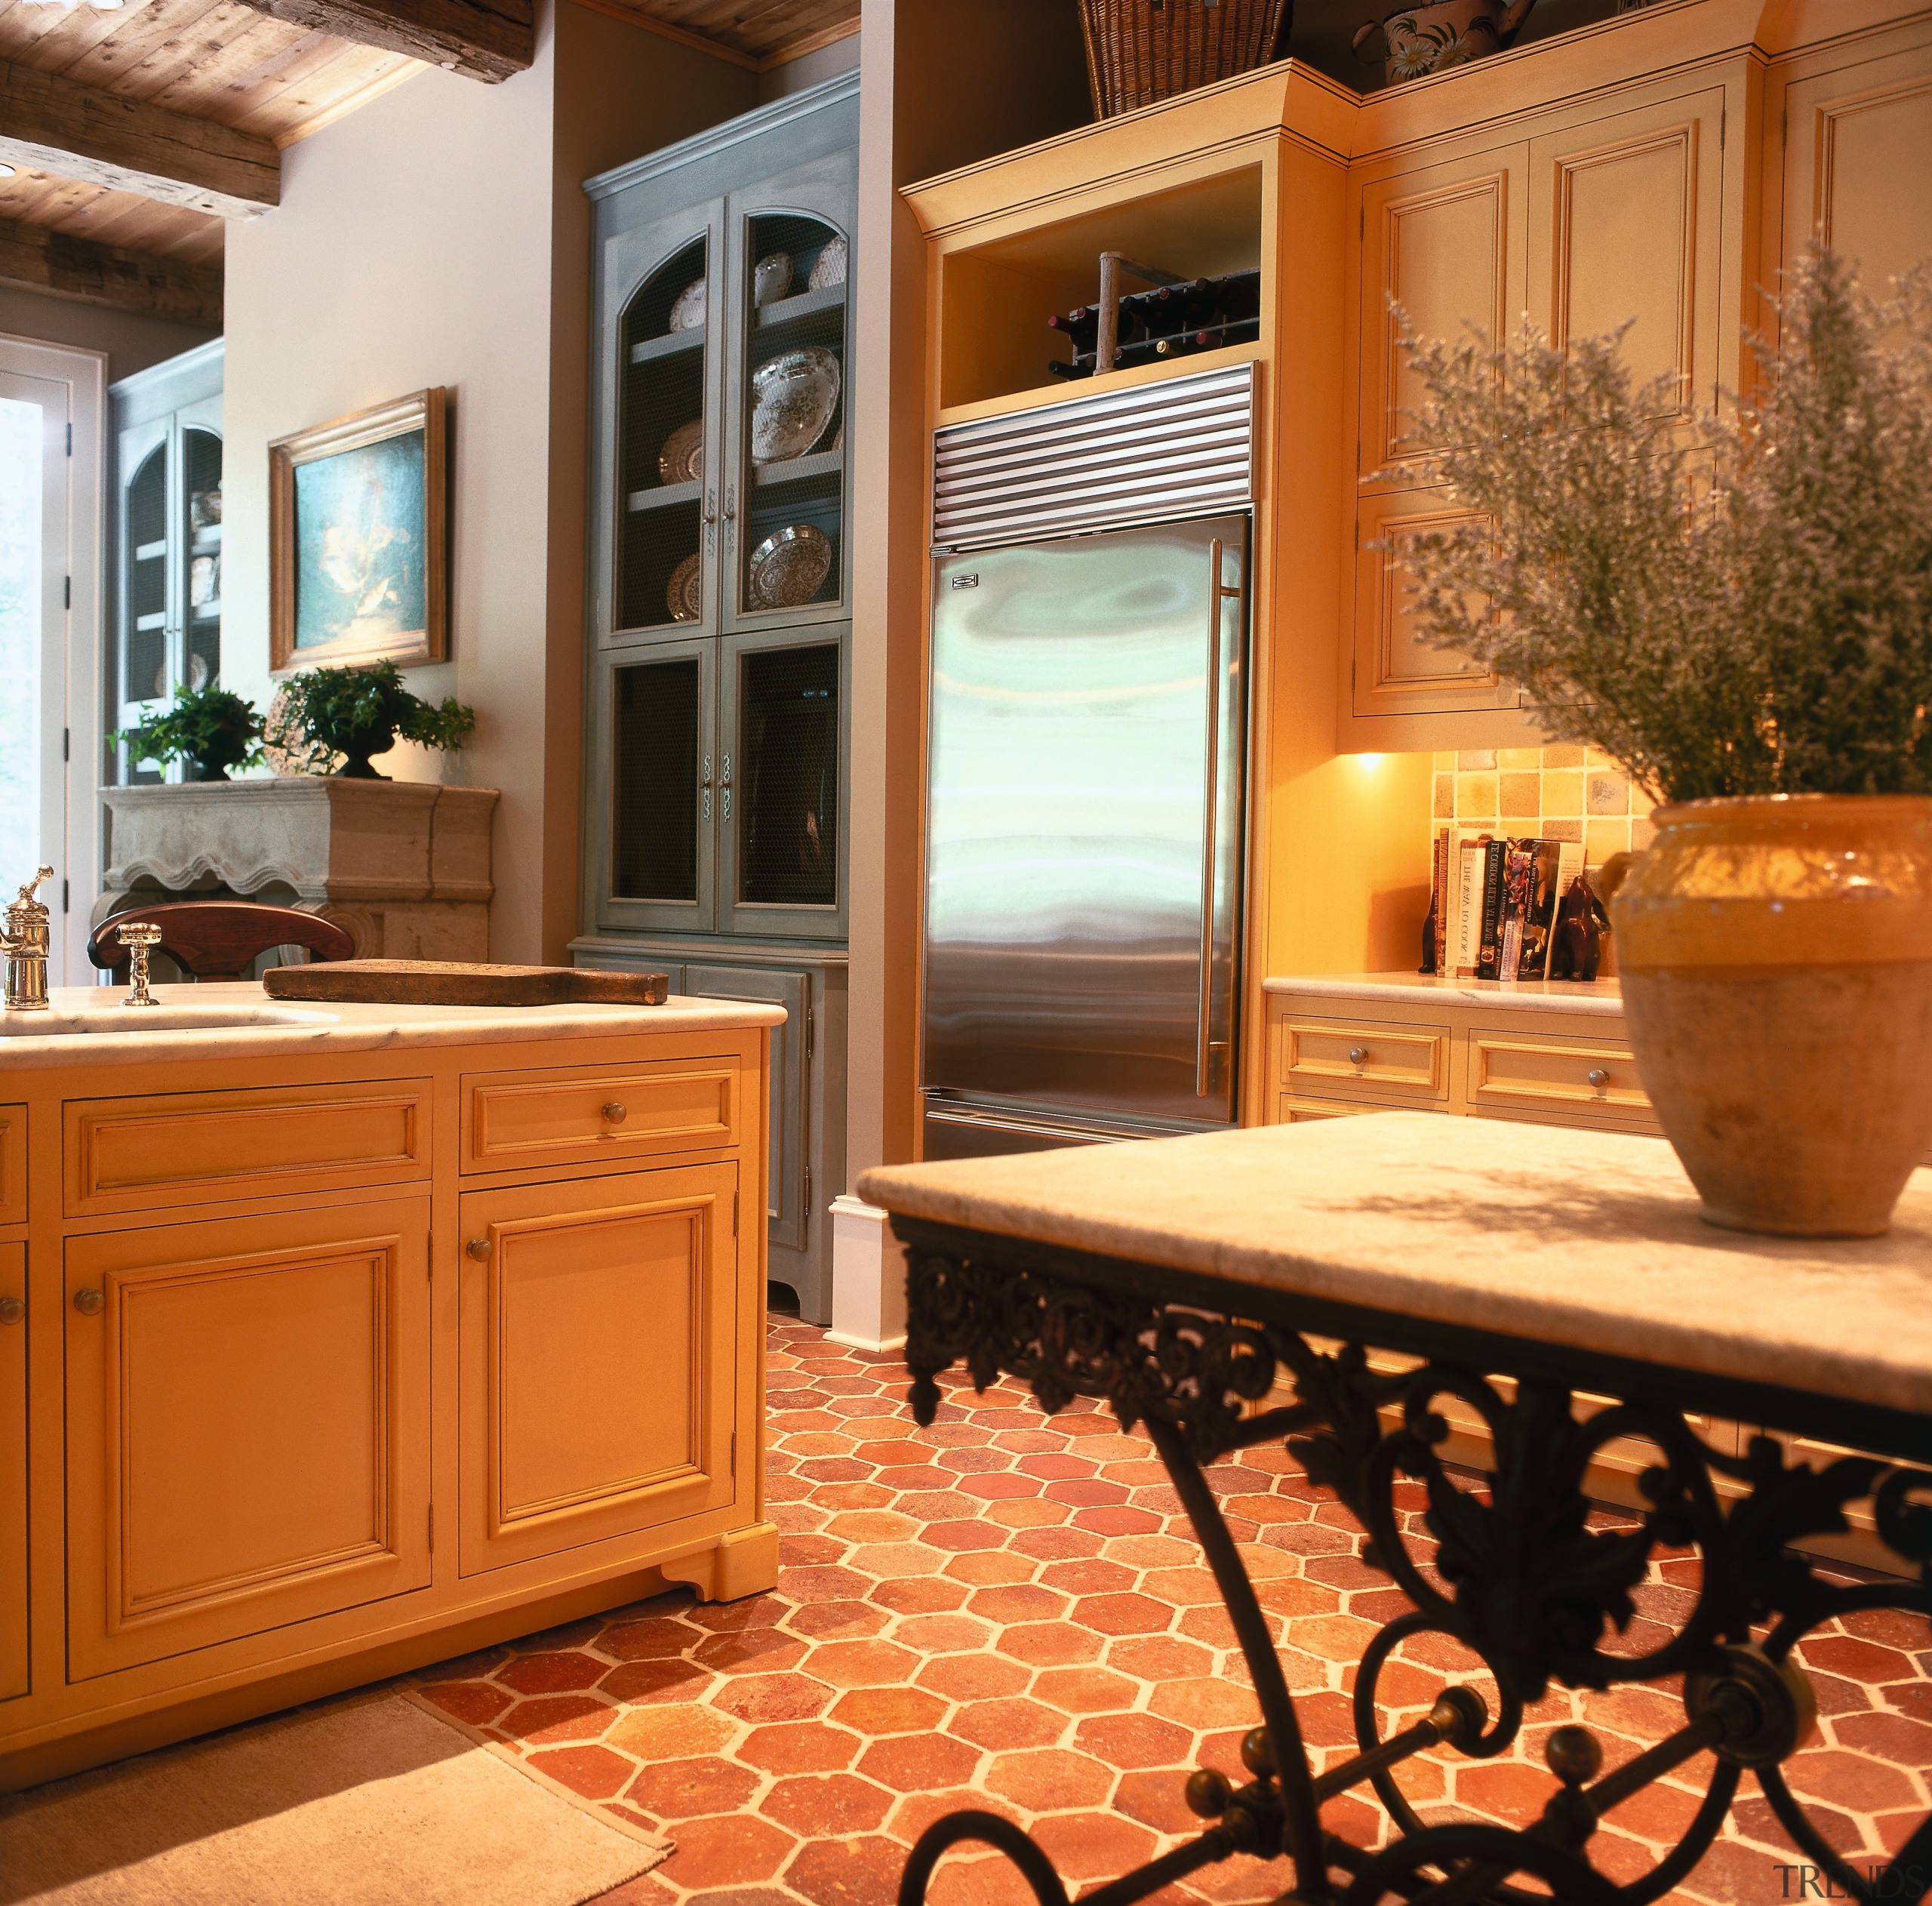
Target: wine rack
[(1175, 318)]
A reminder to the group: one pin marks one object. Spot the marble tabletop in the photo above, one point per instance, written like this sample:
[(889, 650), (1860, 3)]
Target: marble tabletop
[(1600, 997), (88, 1025), (1559, 1235)]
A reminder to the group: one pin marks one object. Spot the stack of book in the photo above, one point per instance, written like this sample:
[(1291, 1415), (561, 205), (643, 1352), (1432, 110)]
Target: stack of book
[(1494, 903)]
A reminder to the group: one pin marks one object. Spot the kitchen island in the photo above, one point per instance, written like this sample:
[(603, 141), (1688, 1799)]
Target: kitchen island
[(338, 1339), (1521, 1269)]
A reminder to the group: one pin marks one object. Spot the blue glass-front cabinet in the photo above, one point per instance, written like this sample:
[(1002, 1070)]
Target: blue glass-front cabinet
[(719, 592)]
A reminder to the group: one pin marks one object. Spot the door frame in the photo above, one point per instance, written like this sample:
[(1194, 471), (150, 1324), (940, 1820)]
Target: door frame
[(84, 828)]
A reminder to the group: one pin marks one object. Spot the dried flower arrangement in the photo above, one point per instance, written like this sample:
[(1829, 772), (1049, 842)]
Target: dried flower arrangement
[(1738, 603)]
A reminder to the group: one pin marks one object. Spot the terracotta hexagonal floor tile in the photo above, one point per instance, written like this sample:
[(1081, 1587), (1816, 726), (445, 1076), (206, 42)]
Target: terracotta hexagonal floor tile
[(669, 1733), (1853, 1780), (995, 1570), (729, 1849), (878, 1712), (1049, 1780), (928, 1635), (753, 1612), (593, 1771), (961, 1537), (917, 1811), (788, 1697), (1123, 1615), (1013, 1722), (823, 1806), (650, 1639), (1203, 1704), (684, 1789), (1119, 1520), (473, 1701), (856, 1870), (838, 1621), (1050, 1644), (895, 1560), (553, 1718), (921, 1595), (1018, 1602), (1133, 1740), (799, 1747), (564, 1673), (1033, 1512), (965, 1879), (1094, 1845), (871, 1526), (662, 1678), (1159, 1658), (1090, 1575), (974, 1677), (1333, 1637), (919, 1761), (1084, 1690), (834, 1583), (861, 1664)]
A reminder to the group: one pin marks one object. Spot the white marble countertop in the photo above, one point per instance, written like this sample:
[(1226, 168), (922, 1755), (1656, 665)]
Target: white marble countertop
[(1589, 1239), (1599, 996), (88, 1025)]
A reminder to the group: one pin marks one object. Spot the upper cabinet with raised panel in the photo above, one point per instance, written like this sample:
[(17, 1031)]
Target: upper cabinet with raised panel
[(1621, 208)]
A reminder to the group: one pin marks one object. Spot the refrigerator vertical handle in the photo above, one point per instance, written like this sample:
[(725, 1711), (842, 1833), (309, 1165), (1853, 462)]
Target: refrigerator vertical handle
[(1217, 592)]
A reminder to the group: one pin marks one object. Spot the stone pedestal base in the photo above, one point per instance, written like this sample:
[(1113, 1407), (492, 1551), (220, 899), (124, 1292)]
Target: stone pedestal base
[(403, 866)]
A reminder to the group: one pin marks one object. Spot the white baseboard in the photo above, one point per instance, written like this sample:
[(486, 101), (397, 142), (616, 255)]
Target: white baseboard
[(868, 1278)]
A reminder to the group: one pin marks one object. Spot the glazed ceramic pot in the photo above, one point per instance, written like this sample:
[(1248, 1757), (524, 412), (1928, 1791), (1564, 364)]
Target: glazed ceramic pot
[(1436, 35), (1776, 954)]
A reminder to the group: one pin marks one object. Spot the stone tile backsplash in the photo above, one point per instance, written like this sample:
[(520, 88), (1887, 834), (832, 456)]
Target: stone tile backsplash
[(1563, 792)]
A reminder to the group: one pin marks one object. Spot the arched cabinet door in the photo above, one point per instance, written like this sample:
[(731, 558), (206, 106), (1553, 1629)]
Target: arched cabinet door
[(665, 442), (786, 559)]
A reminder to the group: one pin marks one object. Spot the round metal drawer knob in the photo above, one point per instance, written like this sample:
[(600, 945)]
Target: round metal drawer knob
[(1598, 1077), (11, 1310), (616, 1111), (89, 1303), (1358, 1055), (478, 1248)]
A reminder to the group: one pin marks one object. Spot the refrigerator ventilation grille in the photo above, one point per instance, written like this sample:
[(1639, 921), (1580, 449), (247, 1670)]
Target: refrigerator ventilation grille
[(1183, 448)]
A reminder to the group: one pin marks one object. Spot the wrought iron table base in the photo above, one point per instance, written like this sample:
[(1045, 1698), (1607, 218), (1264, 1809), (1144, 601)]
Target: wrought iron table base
[(1532, 1588)]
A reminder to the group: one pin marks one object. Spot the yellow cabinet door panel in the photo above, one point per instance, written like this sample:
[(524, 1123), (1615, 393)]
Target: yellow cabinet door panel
[(1857, 152), (13, 1164), (600, 1115), (1445, 243), (187, 1148), (621, 1293), (13, 1469), (1396, 671), (1366, 1060), (1626, 227), (248, 1427)]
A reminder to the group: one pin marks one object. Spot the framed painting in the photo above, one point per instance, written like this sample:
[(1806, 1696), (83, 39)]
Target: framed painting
[(359, 550)]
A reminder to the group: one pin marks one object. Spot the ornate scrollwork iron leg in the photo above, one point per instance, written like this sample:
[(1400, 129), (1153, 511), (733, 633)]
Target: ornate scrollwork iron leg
[(1520, 1578)]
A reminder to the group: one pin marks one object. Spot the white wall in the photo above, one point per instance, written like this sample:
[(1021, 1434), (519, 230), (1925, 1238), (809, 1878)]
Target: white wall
[(131, 341), (438, 236)]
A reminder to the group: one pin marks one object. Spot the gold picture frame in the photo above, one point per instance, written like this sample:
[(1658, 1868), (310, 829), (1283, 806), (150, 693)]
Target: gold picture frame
[(359, 550)]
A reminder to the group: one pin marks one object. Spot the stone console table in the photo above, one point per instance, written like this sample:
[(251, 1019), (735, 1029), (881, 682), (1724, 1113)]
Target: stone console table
[(403, 866), (1524, 1265)]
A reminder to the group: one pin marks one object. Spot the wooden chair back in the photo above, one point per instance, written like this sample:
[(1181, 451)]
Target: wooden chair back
[(219, 939)]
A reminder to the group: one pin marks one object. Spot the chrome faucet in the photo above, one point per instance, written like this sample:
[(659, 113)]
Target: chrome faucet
[(24, 947)]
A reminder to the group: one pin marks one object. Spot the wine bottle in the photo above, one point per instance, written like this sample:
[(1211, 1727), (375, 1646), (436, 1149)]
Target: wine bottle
[(1081, 326), (1081, 367), (1238, 296)]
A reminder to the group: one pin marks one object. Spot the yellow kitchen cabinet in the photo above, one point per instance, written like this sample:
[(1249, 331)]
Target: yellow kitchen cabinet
[(561, 1285), (247, 1421), (1848, 147), (13, 1666)]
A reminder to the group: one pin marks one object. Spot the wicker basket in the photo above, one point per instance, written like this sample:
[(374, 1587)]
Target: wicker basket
[(1141, 50)]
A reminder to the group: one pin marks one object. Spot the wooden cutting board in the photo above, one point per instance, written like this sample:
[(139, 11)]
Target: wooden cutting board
[(450, 982)]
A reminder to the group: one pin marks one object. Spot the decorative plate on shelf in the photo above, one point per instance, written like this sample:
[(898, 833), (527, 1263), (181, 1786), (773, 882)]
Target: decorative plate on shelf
[(772, 278), (681, 460), (687, 312), (830, 267), (684, 595), (785, 569), (795, 394)]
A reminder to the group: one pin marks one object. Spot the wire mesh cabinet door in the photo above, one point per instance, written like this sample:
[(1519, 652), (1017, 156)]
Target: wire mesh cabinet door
[(651, 846), (785, 495), (781, 798)]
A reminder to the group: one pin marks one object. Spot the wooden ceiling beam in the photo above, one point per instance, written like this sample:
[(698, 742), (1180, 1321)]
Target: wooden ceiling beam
[(34, 259), (49, 123), (481, 39)]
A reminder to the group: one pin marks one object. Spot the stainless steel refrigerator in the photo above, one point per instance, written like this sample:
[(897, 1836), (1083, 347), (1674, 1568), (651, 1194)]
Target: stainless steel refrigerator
[(1085, 837)]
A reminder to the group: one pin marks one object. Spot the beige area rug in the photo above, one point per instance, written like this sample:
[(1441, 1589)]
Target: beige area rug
[(371, 1801)]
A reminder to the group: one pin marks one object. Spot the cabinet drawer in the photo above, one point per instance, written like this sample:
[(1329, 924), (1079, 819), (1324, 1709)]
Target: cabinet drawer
[(600, 1115), (1517, 1072), (1332, 1060), (186, 1148)]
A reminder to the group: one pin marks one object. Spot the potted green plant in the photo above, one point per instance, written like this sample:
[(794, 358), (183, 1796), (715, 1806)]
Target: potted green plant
[(211, 730), (325, 714), (1740, 611)]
